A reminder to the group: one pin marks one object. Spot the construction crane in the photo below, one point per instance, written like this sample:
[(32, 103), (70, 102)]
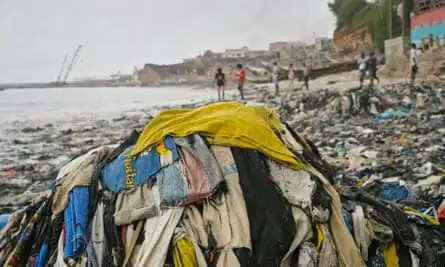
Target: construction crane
[(70, 67), (62, 69)]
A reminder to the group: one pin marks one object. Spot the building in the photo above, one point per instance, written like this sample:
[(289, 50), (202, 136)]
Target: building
[(238, 53), (427, 18), (253, 54), (124, 77), (287, 49), (323, 44), (421, 6), (277, 46), (235, 53)]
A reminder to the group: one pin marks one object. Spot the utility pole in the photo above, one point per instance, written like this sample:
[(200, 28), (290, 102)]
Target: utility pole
[(406, 24), (390, 19)]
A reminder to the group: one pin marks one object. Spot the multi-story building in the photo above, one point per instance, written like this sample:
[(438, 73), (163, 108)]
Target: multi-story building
[(253, 54), (235, 53)]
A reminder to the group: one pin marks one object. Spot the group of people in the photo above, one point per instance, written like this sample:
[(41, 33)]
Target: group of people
[(291, 75), (220, 79), (368, 65)]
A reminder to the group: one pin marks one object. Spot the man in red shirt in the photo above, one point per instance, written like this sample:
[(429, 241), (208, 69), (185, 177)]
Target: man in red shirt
[(241, 75)]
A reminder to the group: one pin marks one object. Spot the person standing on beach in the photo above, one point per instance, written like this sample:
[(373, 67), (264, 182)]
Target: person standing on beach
[(291, 76), (241, 76), (414, 58), (362, 66), (306, 74), (372, 64), (220, 81), (275, 78)]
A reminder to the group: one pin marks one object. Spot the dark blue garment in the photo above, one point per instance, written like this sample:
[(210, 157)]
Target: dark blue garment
[(348, 221), (145, 166), (41, 259), (394, 192), (75, 218)]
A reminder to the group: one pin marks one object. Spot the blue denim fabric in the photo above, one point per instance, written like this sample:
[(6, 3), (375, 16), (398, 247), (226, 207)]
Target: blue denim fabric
[(146, 165), (75, 218)]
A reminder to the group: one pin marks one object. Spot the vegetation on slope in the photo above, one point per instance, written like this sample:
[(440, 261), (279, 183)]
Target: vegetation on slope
[(374, 16)]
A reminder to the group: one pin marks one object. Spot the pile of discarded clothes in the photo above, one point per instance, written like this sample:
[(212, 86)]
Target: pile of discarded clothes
[(221, 185)]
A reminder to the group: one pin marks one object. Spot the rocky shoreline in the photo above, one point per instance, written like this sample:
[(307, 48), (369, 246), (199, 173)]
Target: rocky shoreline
[(361, 146), (33, 152)]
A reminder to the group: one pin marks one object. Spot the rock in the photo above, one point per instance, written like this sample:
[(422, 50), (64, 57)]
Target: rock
[(31, 130), (67, 132), (18, 142)]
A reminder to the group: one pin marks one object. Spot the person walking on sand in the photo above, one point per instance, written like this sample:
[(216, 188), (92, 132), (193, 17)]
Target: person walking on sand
[(291, 76), (241, 76), (372, 64), (306, 74), (220, 82), (275, 78), (362, 67), (414, 58)]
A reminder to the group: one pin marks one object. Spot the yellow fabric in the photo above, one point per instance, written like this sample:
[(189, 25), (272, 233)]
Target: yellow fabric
[(426, 216), (184, 253), (390, 255), (320, 237), (161, 149), (269, 116), (226, 124), (404, 140)]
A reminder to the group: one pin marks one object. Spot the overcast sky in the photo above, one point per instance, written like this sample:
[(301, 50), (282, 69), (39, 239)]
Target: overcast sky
[(122, 34)]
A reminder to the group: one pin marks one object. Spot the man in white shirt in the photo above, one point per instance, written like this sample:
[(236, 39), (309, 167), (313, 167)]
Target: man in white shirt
[(362, 66), (414, 59)]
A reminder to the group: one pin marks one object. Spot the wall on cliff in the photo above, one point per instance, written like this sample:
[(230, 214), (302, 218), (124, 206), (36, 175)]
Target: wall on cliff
[(429, 23)]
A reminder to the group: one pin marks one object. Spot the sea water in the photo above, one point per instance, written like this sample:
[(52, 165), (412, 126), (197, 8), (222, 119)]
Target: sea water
[(66, 103)]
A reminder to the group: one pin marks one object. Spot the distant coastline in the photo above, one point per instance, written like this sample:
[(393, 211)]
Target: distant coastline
[(11, 86)]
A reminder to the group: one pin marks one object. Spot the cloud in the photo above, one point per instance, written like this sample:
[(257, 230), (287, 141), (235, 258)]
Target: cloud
[(119, 35)]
